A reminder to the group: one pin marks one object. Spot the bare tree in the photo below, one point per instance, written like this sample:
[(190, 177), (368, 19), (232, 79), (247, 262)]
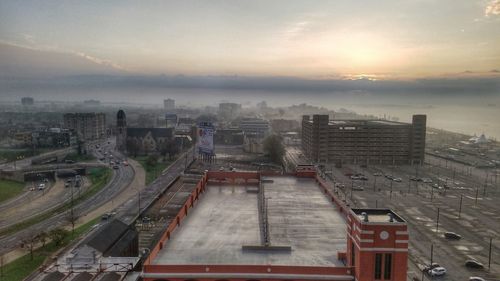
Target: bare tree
[(58, 235), (132, 147), (72, 218), (43, 237), (29, 242)]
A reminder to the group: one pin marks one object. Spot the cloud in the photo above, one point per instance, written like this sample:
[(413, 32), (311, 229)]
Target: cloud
[(100, 61), (493, 8)]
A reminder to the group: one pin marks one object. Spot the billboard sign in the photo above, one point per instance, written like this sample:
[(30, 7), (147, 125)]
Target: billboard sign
[(206, 138)]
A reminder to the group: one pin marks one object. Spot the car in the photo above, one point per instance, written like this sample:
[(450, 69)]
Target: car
[(431, 266), (474, 264), (125, 163), (116, 167), (397, 180), (377, 174), (41, 186), (476, 278), (437, 271), (358, 188), (426, 180), (66, 184), (452, 236)]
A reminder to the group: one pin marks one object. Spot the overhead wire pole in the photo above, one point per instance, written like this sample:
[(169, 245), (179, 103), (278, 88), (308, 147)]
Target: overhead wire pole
[(489, 254), (437, 221), (460, 206)]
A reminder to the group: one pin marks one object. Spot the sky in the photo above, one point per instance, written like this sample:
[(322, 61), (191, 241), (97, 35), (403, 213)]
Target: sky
[(383, 39)]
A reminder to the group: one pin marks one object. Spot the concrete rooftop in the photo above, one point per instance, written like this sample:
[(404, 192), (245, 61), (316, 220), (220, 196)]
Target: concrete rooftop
[(226, 218)]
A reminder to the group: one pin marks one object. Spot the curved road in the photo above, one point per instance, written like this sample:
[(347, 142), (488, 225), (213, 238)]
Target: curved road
[(121, 178)]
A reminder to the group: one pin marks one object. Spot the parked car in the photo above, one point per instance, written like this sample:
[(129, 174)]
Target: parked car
[(125, 163), (66, 184), (116, 167), (476, 278), (377, 174), (397, 179), (431, 266), (474, 264), (437, 271), (41, 186), (452, 236)]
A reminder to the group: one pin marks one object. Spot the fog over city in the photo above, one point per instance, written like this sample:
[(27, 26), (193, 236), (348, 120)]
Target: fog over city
[(248, 140)]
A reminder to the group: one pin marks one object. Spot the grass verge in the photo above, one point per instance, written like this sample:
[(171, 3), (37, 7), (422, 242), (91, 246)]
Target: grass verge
[(9, 189), (152, 171), (98, 176), (80, 157), (9, 155), (24, 266)]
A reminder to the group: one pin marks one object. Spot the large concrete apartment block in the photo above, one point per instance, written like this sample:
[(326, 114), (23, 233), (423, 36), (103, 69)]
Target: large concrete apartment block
[(363, 141), (87, 126)]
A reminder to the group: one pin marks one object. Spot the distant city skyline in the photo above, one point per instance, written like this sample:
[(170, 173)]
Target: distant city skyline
[(378, 40)]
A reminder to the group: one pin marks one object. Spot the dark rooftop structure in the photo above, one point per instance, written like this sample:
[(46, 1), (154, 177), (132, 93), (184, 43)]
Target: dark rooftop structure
[(54, 276), (114, 239)]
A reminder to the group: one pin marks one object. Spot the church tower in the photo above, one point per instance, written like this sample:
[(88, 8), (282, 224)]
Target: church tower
[(121, 133)]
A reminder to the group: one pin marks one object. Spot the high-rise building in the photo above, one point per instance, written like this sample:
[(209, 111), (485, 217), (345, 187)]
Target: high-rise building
[(255, 127), (229, 110), (169, 104), (27, 101), (363, 141), (87, 126)]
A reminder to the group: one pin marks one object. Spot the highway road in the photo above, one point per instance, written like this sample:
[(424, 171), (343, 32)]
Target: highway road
[(131, 209), (26, 162), (119, 180)]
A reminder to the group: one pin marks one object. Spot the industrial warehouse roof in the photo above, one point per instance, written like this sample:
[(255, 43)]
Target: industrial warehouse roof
[(227, 218)]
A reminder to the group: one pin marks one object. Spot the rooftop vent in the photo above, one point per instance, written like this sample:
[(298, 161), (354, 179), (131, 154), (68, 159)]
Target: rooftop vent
[(365, 216)]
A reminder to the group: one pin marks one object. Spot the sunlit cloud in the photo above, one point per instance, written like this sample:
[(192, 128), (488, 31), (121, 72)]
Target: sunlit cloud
[(102, 62), (493, 8)]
